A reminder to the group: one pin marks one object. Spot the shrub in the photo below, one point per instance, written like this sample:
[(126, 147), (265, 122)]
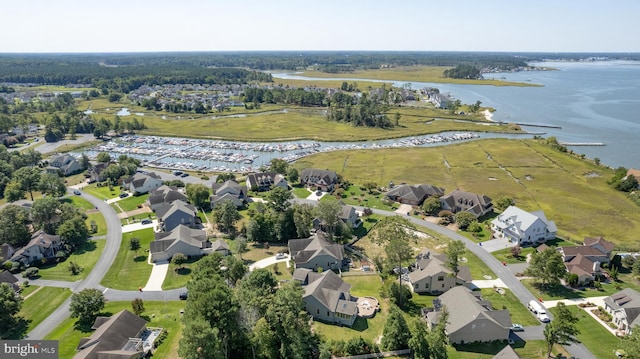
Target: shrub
[(572, 279), (7, 264), (31, 272), (74, 268), (61, 256)]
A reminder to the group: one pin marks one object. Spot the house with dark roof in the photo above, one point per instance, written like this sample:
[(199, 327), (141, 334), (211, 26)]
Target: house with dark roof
[(164, 195), (220, 246), (471, 318), (349, 216), (264, 181), (323, 180), (316, 252), (460, 201), (585, 260), (431, 275), (124, 335), (9, 279), (624, 307), (96, 172), (141, 183), (176, 213), (327, 297), (413, 194), (41, 245), (524, 227), (64, 163), (635, 173), (228, 191), (6, 251), (182, 239)]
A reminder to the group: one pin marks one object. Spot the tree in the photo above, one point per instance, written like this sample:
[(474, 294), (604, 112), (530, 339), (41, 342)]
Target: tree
[(503, 203), (562, 330), (134, 243), (138, 306), (235, 269), (437, 337), (198, 195), (419, 341), (10, 305), (256, 290), (178, 259), (44, 212), (370, 186), (278, 199), (455, 251), (226, 216), (86, 304), (103, 157), (241, 246), (328, 213), (515, 251), (631, 344), (636, 268), (278, 165), (199, 340), (464, 219), (431, 205), (293, 175), (547, 266), (395, 335), (29, 179), (112, 173), (13, 225), (13, 191), (74, 231), (303, 218), (52, 184)]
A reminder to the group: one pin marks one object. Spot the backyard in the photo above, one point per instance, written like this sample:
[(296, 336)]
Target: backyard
[(86, 255)]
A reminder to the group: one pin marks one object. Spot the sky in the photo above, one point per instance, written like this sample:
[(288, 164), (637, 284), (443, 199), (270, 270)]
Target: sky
[(263, 25)]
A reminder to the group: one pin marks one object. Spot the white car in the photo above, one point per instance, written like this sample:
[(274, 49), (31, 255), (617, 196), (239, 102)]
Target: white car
[(281, 256)]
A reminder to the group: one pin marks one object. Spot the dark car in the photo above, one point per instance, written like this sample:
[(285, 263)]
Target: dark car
[(124, 195), (183, 296), (184, 175), (177, 173), (76, 192), (146, 221)]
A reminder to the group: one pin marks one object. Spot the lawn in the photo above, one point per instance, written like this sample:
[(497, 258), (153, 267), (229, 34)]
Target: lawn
[(164, 314), (132, 202), (532, 173), (99, 220), (356, 196), (519, 313), (86, 256), (129, 265), (299, 192), (562, 292), (257, 251), (28, 290), (600, 342), (531, 349), (42, 303), (102, 192), (283, 272), (79, 202), (178, 276)]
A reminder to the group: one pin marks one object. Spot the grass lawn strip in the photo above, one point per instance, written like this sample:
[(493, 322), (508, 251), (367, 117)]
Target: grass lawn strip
[(42, 303), (129, 265), (178, 276), (98, 218), (102, 192), (519, 313), (132, 202), (86, 256), (164, 314)]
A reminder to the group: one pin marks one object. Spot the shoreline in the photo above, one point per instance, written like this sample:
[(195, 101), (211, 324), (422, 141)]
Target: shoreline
[(488, 115)]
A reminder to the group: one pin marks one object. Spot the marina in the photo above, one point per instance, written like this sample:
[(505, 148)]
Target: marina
[(233, 156)]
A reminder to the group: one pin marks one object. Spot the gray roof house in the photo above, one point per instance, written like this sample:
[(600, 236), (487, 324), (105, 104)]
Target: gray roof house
[(316, 252), (624, 306), (41, 245), (66, 164), (324, 180), (349, 216), (182, 239), (121, 336), (164, 195), (96, 172), (507, 353), (176, 213), (142, 182), (264, 181), (6, 251), (10, 279), (459, 201), (471, 319), (431, 275), (221, 247), (326, 297), (228, 191), (413, 194), (524, 227)]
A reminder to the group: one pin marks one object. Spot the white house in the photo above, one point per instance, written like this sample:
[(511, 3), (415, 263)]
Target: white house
[(142, 183), (524, 227)]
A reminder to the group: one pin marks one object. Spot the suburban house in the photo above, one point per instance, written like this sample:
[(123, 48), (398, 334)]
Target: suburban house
[(6, 251), (141, 183), (460, 201), (10, 279), (323, 180), (124, 335), (220, 246), (316, 252), (41, 245), (413, 194), (176, 213), (65, 163), (524, 227), (164, 195), (471, 319), (507, 353), (350, 216), (585, 260), (431, 275), (96, 172), (635, 173), (264, 181), (624, 307), (182, 239), (228, 191), (326, 297)]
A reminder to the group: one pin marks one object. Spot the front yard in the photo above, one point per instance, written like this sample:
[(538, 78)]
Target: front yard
[(130, 264), (41, 303), (86, 256), (519, 313)]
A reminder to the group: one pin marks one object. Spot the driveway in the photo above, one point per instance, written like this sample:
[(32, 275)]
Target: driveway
[(158, 273), (497, 244), (404, 209), (138, 226), (269, 261)]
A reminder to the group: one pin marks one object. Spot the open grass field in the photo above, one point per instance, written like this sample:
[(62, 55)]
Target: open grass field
[(322, 83), (158, 314), (129, 265), (86, 256), (572, 192), (412, 73), (42, 303), (600, 342)]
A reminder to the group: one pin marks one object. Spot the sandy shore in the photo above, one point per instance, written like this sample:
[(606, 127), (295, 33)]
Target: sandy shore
[(488, 115)]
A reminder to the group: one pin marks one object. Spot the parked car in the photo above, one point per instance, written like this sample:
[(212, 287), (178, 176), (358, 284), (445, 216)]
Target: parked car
[(183, 296), (177, 173), (281, 256), (318, 193), (517, 328), (146, 221), (76, 192), (124, 195), (184, 175)]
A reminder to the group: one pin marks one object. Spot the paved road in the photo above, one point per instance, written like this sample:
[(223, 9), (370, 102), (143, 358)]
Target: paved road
[(114, 234), (47, 147), (127, 295)]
